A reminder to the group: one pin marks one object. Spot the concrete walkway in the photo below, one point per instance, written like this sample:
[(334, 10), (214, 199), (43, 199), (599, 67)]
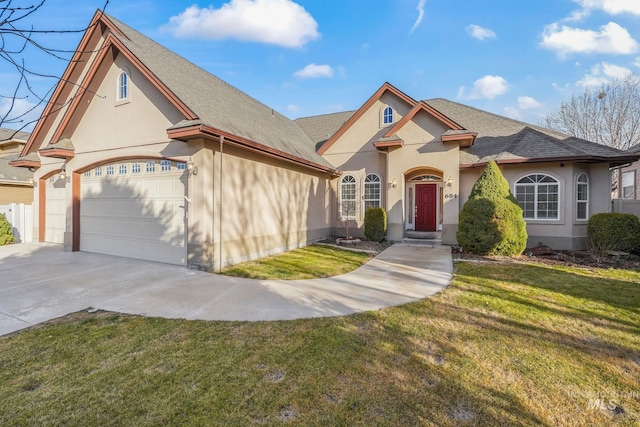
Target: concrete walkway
[(39, 282)]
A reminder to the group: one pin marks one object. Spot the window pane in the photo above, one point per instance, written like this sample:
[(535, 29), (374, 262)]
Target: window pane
[(165, 165)]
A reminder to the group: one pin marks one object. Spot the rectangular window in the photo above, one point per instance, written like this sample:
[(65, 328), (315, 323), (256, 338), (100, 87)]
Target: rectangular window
[(87, 173), (122, 169), (582, 198), (111, 170), (629, 185), (165, 165), (135, 168), (99, 171), (151, 167), (181, 166)]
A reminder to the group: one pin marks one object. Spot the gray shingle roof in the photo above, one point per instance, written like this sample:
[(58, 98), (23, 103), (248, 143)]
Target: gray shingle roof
[(501, 138), (12, 173), (9, 134), (321, 128), (217, 103)]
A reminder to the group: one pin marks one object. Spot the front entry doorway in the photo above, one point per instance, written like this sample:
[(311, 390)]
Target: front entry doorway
[(426, 207)]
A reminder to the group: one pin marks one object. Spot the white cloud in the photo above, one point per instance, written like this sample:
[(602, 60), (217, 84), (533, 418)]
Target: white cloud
[(577, 15), (279, 22), (487, 87), (612, 7), (293, 108), (479, 32), (637, 62), (513, 112), (314, 70), (527, 102), (603, 73), (15, 118), (420, 9), (612, 38)]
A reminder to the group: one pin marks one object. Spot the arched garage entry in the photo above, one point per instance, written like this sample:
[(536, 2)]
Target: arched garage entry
[(134, 208)]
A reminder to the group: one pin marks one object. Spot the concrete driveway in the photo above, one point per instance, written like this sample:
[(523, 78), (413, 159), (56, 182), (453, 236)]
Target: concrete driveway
[(39, 282)]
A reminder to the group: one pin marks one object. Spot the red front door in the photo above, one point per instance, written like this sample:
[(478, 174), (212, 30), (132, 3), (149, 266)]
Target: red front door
[(426, 207)]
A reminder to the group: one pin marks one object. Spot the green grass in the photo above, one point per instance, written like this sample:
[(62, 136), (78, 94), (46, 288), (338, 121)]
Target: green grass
[(310, 262), (504, 345)]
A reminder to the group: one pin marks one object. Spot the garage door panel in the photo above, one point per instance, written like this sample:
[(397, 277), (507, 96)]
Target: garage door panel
[(137, 215), (55, 210)]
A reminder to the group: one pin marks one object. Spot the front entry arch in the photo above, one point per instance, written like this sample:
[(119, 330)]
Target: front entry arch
[(426, 207)]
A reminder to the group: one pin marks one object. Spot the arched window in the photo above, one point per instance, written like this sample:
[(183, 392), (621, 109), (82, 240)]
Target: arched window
[(348, 190), (387, 116), (123, 86), (538, 196), (372, 193), (582, 197)]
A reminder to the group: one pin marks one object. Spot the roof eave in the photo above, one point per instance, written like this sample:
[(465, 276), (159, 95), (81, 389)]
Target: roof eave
[(203, 131), (613, 161), (58, 153)]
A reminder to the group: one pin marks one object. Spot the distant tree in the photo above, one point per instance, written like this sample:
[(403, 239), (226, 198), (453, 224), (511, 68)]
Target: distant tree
[(491, 221), (20, 47), (609, 115)]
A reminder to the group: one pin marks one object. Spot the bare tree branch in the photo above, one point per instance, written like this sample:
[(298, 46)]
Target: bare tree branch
[(21, 49)]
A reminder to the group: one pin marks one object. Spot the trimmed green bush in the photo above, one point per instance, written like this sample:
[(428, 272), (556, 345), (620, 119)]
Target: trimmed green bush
[(491, 220), (614, 232), (6, 231), (375, 224)]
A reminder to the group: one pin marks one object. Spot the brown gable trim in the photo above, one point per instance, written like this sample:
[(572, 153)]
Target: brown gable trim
[(111, 45), (389, 144), (465, 140), (356, 116), (73, 63), (60, 153), (24, 163), (422, 106), (202, 131)]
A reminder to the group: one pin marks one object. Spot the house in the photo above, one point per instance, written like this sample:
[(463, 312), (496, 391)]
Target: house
[(15, 183), (150, 157), (629, 178)]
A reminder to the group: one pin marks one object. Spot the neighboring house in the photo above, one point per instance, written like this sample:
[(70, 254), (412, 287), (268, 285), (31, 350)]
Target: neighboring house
[(629, 178), (169, 163), (15, 183)]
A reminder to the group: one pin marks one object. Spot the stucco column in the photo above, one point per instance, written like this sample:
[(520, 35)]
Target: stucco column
[(200, 208)]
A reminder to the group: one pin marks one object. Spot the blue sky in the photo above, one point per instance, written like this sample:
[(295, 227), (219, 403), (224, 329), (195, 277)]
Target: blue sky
[(308, 57)]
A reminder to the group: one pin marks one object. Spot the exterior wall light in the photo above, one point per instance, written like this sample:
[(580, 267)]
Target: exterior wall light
[(449, 182), (394, 183), (63, 172), (192, 169)]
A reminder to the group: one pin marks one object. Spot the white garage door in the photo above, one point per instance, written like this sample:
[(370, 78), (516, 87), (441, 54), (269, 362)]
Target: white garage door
[(56, 210), (135, 209)]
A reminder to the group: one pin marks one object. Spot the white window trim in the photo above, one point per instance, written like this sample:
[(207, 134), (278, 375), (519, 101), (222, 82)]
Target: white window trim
[(364, 183), (587, 202), (382, 116), (558, 182), (125, 99), (633, 184), (355, 199)]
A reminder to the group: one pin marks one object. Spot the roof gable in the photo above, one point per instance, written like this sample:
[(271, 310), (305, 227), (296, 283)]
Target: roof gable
[(386, 87), (199, 95)]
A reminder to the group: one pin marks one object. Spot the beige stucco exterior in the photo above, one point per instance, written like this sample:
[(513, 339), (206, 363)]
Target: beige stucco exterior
[(242, 205)]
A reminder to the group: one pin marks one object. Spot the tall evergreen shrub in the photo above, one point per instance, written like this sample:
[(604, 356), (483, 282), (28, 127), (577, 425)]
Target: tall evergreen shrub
[(375, 224), (491, 221)]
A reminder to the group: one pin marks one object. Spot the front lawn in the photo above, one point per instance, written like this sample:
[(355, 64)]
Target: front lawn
[(506, 344), (310, 262)]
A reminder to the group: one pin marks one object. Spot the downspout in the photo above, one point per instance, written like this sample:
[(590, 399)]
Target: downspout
[(220, 202)]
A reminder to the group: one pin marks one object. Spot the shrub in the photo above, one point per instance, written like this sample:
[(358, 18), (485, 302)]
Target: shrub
[(614, 232), (375, 224), (6, 231), (491, 220)]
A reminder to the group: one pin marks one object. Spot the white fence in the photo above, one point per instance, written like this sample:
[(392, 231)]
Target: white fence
[(21, 217), (630, 206)]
